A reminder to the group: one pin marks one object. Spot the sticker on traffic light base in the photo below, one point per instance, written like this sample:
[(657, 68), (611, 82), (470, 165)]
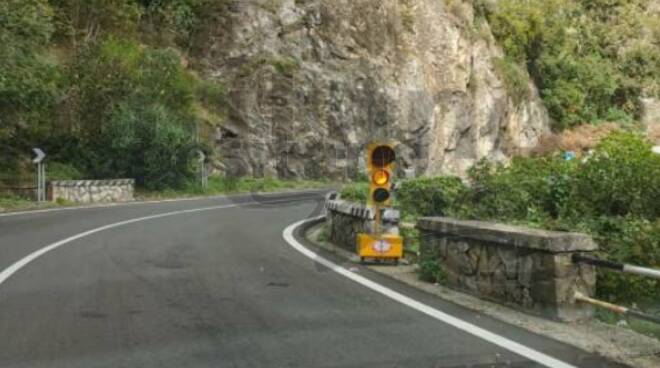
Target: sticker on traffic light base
[(386, 246)]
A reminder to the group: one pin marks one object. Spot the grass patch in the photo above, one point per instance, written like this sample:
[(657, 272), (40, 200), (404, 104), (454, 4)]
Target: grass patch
[(10, 203), (637, 325), (355, 192), (220, 185), (324, 234), (217, 186), (514, 77)]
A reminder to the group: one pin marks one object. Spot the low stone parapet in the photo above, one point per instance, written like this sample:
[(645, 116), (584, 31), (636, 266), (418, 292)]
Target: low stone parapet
[(89, 191), (345, 220), (525, 268)]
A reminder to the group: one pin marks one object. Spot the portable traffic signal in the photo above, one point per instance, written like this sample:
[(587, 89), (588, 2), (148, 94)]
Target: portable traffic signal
[(381, 158), (381, 243)]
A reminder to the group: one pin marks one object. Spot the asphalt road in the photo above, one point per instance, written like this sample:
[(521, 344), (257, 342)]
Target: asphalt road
[(217, 287)]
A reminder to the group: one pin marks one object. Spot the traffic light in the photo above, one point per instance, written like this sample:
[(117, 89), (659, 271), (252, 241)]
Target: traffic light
[(381, 158), (381, 243)]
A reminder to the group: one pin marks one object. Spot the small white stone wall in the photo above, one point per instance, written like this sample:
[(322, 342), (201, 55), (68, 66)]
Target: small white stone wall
[(91, 191)]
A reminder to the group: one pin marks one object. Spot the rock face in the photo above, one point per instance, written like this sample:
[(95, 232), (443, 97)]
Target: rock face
[(311, 82)]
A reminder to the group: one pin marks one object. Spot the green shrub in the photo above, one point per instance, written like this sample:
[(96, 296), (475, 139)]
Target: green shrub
[(28, 80), (356, 192), (436, 196), (621, 178), (136, 113), (60, 171), (150, 144), (629, 240), (529, 189), (431, 271), (590, 59), (515, 78), (613, 195)]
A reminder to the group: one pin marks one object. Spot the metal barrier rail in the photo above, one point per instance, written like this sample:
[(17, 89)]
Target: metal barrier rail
[(622, 267), (617, 308)]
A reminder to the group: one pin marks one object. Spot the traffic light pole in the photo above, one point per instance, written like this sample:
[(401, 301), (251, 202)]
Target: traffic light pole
[(377, 220)]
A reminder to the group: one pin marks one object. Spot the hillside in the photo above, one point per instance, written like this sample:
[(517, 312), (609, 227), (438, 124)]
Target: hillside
[(131, 88)]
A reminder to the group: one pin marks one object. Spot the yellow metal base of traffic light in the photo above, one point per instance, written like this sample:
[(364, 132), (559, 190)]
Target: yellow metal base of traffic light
[(386, 246)]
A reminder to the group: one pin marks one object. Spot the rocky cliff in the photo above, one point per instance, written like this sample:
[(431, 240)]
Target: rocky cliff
[(310, 82)]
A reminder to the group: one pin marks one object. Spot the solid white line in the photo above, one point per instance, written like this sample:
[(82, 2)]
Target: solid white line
[(479, 332), (15, 267)]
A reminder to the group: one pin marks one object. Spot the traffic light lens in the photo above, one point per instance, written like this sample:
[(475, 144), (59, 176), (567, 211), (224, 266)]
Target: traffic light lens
[(380, 177), (382, 156), (380, 195)]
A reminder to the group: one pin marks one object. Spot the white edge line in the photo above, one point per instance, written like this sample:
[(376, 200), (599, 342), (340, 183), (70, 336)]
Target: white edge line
[(479, 332), (135, 203), (18, 265)]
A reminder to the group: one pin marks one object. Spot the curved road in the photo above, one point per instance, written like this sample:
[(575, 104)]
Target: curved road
[(213, 283)]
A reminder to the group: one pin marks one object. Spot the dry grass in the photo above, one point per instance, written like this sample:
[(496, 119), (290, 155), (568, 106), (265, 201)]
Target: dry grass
[(578, 140), (653, 133)]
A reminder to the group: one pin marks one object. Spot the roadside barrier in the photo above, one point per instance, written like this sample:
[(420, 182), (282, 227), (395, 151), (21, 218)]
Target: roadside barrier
[(617, 308), (621, 267)]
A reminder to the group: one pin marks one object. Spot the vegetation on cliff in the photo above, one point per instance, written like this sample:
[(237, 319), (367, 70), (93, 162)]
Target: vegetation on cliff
[(107, 78), (592, 60)]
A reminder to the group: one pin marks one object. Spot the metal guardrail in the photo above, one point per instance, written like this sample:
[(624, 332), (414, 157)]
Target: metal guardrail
[(621, 267), (617, 308)]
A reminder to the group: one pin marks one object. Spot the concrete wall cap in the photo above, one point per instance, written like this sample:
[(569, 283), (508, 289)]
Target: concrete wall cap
[(91, 183), (517, 236), (350, 208)]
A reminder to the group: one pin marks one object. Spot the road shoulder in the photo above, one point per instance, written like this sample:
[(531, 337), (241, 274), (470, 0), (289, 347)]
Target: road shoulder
[(612, 342)]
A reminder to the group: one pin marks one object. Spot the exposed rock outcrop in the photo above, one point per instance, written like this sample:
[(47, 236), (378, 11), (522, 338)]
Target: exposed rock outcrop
[(311, 81)]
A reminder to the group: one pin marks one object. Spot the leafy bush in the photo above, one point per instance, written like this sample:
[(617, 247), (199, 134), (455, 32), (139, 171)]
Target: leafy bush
[(430, 271), (429, 196), (150, 144), (629, 240), (356, 192), (613, 194), (130, 107), (530, 189), (60, 171), (589, 58), (515, 78), (28, 82), (136, 113), (621, 178), (92, 18)]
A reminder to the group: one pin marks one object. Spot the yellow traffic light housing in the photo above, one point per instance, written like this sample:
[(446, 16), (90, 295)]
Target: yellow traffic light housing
[(379, 245), (380, 159)]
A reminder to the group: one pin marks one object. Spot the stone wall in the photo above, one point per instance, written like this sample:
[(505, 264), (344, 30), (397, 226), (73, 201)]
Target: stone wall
[(88, 191), (345, 220), (524, 268)]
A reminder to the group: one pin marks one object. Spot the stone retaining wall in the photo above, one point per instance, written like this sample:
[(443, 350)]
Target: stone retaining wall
[(346, 219), (88, 191), (525, 268)]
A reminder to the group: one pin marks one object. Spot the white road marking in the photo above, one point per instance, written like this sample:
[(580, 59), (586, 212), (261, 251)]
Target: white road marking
[(18, 265), (479, 332)]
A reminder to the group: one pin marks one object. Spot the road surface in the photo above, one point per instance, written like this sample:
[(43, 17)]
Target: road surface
[(213, 283)]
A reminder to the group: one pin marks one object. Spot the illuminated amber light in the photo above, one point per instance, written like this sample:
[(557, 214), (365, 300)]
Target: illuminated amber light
[(380, 177)]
